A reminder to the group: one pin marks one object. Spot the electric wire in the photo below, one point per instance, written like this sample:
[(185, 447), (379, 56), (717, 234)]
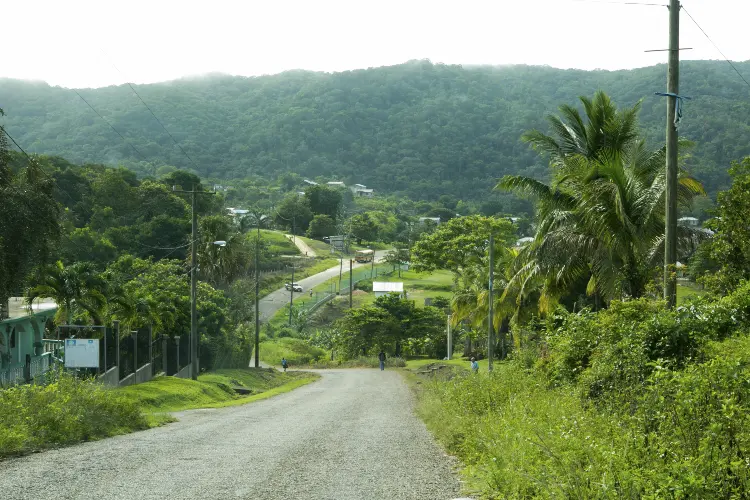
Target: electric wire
[(716, 46), (140, 155)]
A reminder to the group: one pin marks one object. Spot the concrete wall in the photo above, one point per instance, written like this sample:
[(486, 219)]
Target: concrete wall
[(184, 373), (110, 377), (129, 380), (144, 374)]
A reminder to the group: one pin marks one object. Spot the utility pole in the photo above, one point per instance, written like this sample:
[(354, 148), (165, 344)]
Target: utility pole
[(351, 282), (257, 300), (450, 339), (490, 326), (372, 266), (673, 85), (193, 282), (291, 288)]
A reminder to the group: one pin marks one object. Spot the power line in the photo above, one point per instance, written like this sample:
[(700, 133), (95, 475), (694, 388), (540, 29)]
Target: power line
[(162, 125), (141, 156), (716, 46)]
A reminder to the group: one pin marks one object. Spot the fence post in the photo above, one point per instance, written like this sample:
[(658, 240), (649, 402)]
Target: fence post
[(164, 354), (117, 348), (177, 343), (151, 348), (134, 334)]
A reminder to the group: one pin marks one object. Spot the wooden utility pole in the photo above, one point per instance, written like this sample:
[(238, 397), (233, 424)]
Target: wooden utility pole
[(450, 339), (670, 223), (491, 329), (193, 282)]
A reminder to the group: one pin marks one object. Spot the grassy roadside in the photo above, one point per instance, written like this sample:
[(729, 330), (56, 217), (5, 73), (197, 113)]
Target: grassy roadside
[(212, 390)]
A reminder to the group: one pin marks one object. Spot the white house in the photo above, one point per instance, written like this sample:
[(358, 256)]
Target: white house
[(436, 220), (383, 288), (237, 211), (688, 221), (310, 183), (336, 184)]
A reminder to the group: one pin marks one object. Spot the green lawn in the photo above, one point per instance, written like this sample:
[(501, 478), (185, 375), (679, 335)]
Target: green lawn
[(297, 351), (212, 390), (278, 243), (684, 292), (320, 248)]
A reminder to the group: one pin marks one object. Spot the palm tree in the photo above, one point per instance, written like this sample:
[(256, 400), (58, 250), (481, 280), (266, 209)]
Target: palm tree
[(77, 286), (606, 131), (601, 219)]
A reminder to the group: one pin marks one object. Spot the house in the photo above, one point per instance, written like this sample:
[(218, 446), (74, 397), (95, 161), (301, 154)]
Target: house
[(435, 220), (688, 221), (383, 288), (336, 184), (237, 211), (23, 354), (310, 183), (524, 241), (362, 191)]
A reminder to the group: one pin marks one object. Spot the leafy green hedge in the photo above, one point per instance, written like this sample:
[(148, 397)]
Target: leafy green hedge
[(64, 411)]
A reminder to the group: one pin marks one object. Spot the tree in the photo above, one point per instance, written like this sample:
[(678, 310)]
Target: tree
[(398, 257), (294, 209), (363, 228), (29, 219), (321, 225), (729, 248), (74, 288), (459, 243), (324, 200), (602, 217)]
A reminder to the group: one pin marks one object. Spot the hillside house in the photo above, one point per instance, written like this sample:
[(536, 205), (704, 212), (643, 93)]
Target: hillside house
[(361, 191), (336, 184), (435, 220), (688, 221), (23, 355)]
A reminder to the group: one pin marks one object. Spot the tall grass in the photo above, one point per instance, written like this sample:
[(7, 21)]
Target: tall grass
[(65, 411)]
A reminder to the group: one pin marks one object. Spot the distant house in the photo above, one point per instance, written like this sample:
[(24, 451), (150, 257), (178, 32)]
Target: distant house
[(362, 191), (436, 220), (23, 355), (688, 221), (310, 183), (524, 241), (383, 288), (336, 184), (237, 211)]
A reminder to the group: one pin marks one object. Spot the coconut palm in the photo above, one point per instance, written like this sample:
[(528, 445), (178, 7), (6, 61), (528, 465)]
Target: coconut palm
[(75, 287), (605, 131), (602, 219)]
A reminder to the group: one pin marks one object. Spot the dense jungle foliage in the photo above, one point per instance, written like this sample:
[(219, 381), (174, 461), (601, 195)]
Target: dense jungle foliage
[(417, 129)]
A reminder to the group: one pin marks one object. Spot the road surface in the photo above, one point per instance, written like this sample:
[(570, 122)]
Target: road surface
[(274, 301), (303, 247), (350, 435)]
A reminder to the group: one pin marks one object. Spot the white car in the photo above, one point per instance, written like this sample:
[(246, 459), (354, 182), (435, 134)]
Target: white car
[(293, 286)]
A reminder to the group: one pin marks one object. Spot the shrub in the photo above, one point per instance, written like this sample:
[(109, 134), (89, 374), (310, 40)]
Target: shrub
[(65, 411)]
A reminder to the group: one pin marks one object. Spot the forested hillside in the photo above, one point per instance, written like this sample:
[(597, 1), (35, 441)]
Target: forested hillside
[(418, 129)]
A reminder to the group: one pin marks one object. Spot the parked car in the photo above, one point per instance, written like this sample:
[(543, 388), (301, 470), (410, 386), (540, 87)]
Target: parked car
[(293, 286), (326, 239)]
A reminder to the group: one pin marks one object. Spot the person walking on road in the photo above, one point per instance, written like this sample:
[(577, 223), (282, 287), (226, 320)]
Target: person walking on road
[(284, 364), (381, 357)]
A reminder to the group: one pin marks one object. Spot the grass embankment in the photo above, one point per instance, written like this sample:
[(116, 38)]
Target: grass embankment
[(63, 412), (278, 243), (631, 402), (212, 390)]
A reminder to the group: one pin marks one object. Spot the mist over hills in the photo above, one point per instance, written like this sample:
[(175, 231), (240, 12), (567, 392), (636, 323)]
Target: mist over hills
[(418, 129)]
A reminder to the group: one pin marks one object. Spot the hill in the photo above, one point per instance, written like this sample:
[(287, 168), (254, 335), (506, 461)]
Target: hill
[(417, 129)]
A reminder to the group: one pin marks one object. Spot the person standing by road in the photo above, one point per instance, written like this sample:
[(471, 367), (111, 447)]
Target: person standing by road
[(381, 357), (284, 364), (474, 365)]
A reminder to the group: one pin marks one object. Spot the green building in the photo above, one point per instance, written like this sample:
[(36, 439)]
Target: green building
[(24, 354)]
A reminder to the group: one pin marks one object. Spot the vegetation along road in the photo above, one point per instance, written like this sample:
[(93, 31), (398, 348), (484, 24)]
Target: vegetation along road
[(350, 435), (276, 300)]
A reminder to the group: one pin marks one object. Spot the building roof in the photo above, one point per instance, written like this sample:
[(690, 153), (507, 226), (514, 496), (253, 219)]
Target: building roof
[(312, 183), (364, 190), (382, 286), (361, 186), (336, 183), (17, 307)]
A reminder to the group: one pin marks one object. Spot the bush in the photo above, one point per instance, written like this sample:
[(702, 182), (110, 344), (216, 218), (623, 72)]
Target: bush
[(64, 411), (297, 351)]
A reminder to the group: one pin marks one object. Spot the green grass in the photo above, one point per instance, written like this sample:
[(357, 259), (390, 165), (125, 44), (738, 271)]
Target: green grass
[(275, 281), (212, 390), (63, 412), (297, 351), (320, 248), (438, 280), (278, 243), (685, 292)]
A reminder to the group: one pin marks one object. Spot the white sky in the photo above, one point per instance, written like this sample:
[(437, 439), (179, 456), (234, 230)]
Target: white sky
[(77, 43)]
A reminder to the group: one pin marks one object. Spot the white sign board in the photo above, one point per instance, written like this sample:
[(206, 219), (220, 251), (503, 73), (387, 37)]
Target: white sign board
[(81, 353)]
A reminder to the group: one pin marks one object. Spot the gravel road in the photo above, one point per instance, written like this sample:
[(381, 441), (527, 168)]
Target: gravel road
[(274, 301), (350, 435)]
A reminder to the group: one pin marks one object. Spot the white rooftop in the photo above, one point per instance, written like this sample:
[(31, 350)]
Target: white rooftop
[(17, 306), (383, 286)]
